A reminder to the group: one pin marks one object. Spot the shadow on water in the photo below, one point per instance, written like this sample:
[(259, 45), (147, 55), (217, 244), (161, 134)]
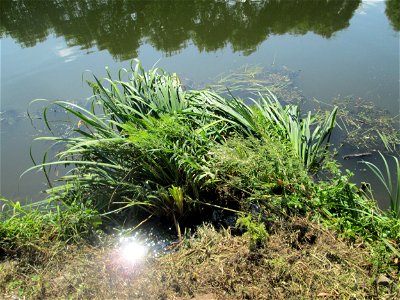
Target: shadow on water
[(122, 26)]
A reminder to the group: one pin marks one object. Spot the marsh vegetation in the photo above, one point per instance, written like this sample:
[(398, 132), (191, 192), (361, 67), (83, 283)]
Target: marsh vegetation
[(144, 147)]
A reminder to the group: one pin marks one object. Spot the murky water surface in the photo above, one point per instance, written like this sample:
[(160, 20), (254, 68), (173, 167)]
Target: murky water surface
[(327, 49)]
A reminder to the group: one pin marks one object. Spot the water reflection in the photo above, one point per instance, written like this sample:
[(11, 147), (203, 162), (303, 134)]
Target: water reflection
[(121, 27), (132, 251), (393, 13), (67, 53)]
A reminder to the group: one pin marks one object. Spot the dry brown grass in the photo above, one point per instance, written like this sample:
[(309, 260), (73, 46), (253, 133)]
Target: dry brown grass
[(301, 260)]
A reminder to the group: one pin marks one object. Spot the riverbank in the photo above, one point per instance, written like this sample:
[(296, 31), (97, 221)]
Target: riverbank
[(283, 220), (301, 259)]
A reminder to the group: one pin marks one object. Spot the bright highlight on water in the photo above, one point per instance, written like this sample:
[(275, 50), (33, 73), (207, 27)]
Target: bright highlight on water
[(132, 251)]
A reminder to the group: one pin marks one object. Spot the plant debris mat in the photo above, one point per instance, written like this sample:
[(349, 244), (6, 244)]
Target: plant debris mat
[(299, 260)]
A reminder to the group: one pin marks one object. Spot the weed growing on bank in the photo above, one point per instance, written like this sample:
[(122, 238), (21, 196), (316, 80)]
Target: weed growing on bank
[(38, 232)]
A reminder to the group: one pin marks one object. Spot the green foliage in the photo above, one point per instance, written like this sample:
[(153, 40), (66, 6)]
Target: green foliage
[(256, 231), (178, 198), (259, 170), (145, 94), (148, 145), (153, 136), (387, 182), (25, 227), (309, 144), (349, 211)]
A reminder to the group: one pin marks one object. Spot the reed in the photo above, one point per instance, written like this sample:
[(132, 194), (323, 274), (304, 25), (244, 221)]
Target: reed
[(392, 185), (308, 138)]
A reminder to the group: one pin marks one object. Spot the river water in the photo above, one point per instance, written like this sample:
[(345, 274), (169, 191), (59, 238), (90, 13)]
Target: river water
[(336, 49)]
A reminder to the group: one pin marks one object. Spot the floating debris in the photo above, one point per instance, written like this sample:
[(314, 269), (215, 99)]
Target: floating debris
[(251, 80), (364, 126), (357, 155)]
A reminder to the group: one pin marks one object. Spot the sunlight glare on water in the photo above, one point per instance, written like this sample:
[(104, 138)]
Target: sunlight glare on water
[(132, 251)]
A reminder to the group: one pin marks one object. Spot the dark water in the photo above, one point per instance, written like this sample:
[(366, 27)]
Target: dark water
[(336, 47)]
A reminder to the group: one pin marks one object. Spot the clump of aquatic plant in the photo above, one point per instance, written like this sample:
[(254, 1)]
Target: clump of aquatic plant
[(260, 170), (140, 152), (142, 95), (145, 142), (392, 185), (308, 138), (145, 145), (139, 168)]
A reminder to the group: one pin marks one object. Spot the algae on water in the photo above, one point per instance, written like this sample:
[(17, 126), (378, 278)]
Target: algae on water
[(249, 81)]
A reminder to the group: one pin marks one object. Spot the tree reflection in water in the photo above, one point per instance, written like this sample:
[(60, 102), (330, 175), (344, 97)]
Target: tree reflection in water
[(122, 26), (393, 13)]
